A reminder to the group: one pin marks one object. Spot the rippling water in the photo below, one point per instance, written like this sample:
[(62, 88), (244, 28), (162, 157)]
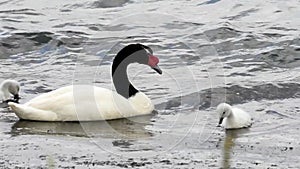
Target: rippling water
[(245, 53)]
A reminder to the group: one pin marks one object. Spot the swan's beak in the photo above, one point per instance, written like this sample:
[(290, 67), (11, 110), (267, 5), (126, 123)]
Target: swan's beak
[(220, 122), (152, 62), (157, 69)]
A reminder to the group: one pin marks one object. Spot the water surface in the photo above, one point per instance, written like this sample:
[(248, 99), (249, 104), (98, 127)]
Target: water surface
[(244, 53)]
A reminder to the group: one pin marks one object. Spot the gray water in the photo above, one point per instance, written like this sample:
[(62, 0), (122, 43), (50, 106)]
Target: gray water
[(245, 53)]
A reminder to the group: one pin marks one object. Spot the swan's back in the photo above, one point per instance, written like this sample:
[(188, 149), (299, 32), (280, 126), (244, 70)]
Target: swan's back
[(52, 94)]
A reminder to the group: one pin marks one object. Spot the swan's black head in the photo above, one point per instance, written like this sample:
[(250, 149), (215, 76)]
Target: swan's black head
[(136, 53)]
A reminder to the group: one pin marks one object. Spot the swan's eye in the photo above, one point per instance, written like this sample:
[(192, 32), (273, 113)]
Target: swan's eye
[(224, 112)]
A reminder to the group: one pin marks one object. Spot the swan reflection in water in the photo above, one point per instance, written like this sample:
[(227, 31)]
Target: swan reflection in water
[(127, 128), (229, 143)]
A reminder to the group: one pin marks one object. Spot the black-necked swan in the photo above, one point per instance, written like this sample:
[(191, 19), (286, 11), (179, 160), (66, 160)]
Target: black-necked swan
[(232, 117), (75, 103), (9, 91)]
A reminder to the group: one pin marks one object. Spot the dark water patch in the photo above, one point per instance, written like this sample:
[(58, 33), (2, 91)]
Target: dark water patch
[(286, 56), (237, 64), (273, 35), (117, 27), (15, 44), (277, 113), (9, 28), (191, 100), (278, 55), (237, 6), (122, 143), (181, 25), (96, 4), (12, 20), (95, 27), (37, 90), (3, 104), (240, 74), (69, 32), (261, 68), (232, 40), (222, 33), (5, 2), (23, 127), (20, 11), (108, 3), (282, 28), (51, 46), (241, 14), (127, 128), (210, 2), (65, 25), (72, 40), (65, 10), (69, 7), (33, 34), (193, 24), (234, 94), (38, 37), (155, 41), (248, 62), (172, 103), (189, 59), (7, 45), (29, 13), (249, 42)]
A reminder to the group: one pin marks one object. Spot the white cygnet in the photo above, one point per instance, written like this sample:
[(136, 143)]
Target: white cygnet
[(9, 91), (232, 117)]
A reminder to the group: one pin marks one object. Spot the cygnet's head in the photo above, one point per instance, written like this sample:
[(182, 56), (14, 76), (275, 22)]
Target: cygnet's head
[(224, 110), (8, 88)]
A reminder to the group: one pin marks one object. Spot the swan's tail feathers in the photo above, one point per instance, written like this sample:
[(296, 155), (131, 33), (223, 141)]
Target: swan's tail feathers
[(15, 107), (30, 113)]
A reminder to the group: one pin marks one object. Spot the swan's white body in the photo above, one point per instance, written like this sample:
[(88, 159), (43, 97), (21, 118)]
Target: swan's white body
[(234, 118), (82, 103)]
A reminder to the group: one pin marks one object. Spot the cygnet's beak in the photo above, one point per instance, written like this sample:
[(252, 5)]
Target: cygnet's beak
[(157, 69), (220, 122), (17, 98)]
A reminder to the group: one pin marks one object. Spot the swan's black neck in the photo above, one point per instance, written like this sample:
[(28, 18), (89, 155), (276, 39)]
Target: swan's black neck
[(119, 74), (121, 81), (130, 54)]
